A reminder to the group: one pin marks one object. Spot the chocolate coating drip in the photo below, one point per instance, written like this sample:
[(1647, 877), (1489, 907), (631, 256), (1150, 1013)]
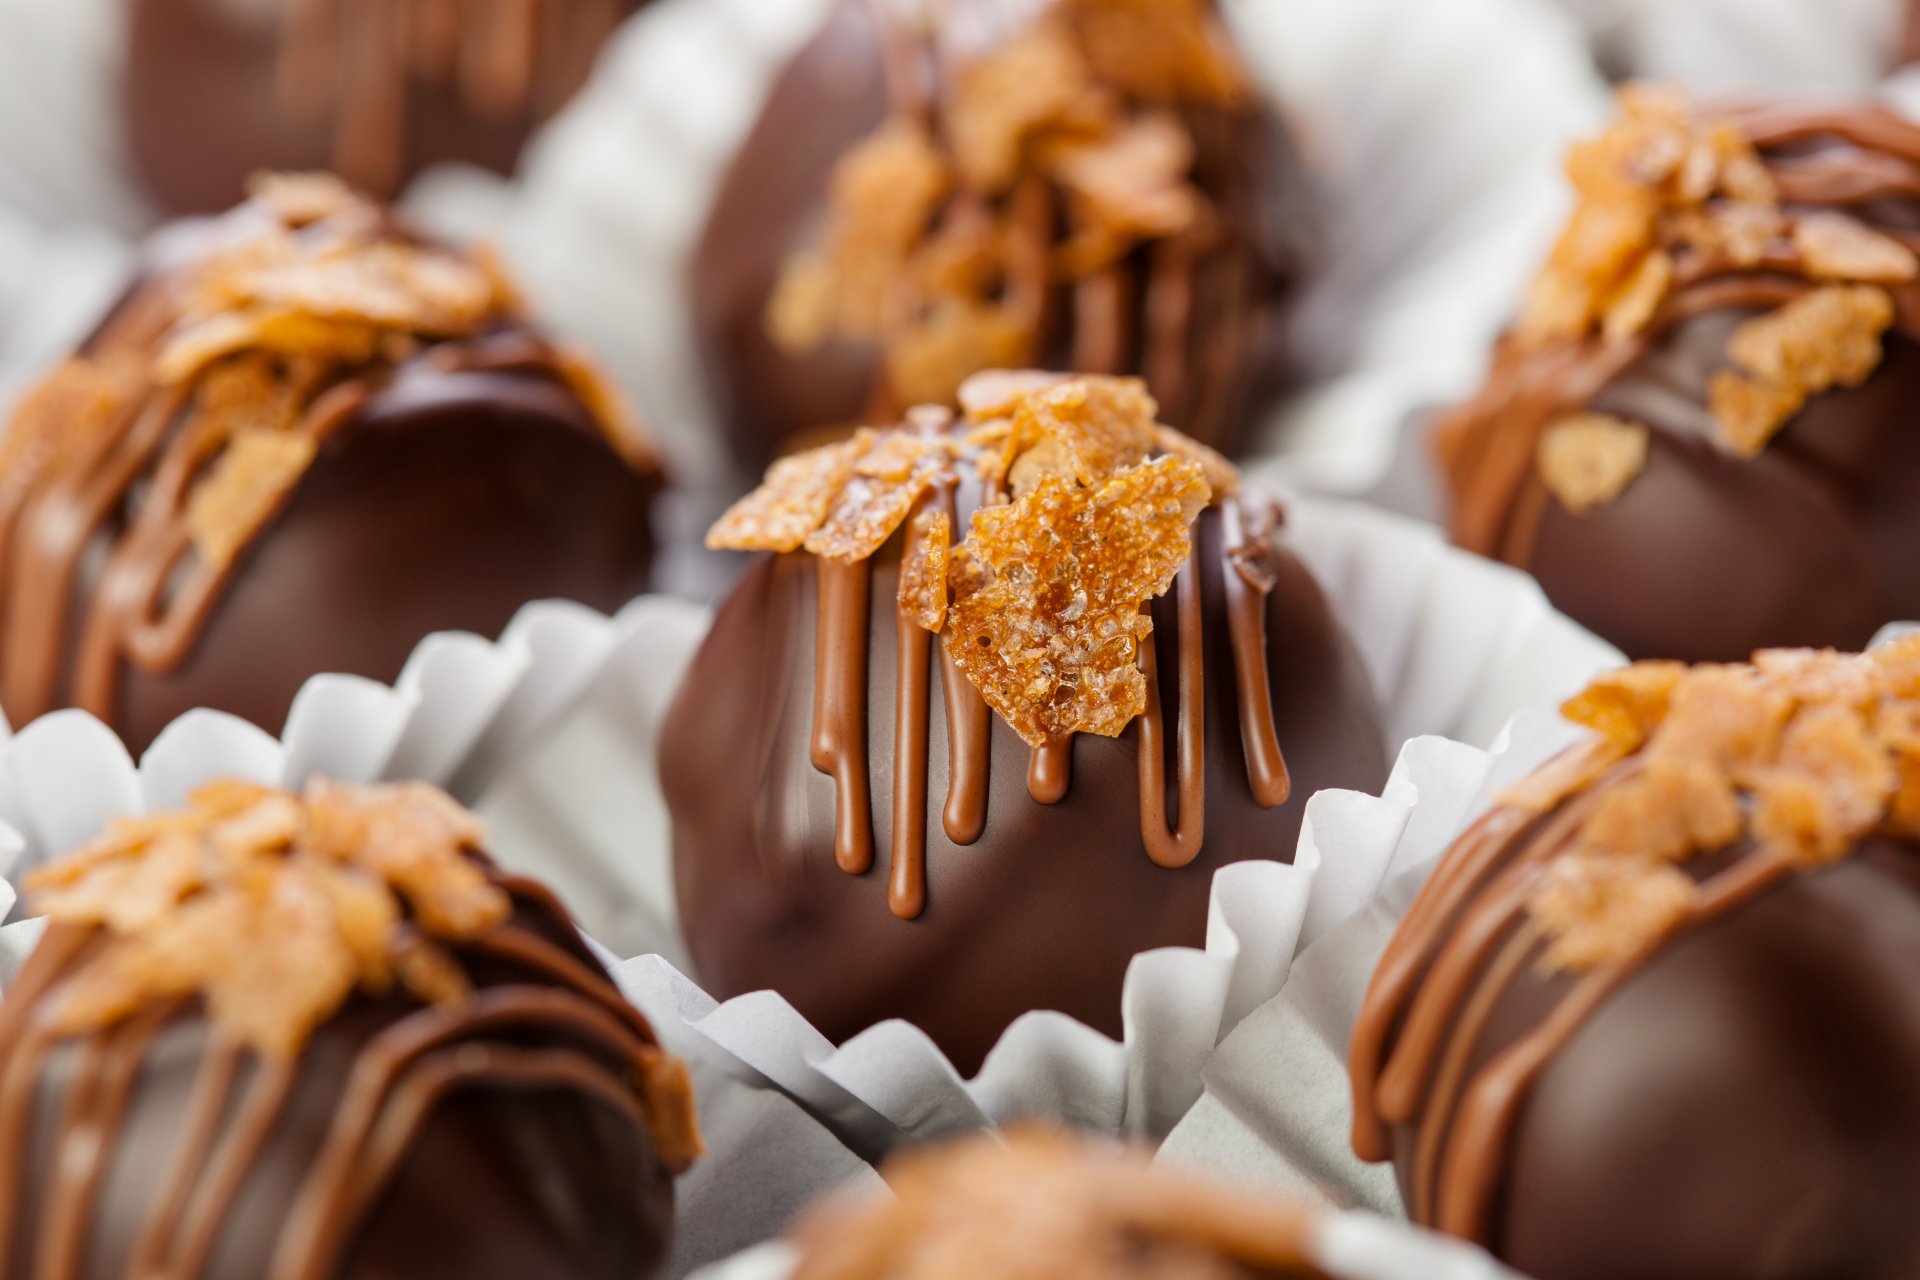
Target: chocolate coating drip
[(374, 91), (496, 1137), (1197, 314), (1044, 906), (447, 489), (1706, 555)]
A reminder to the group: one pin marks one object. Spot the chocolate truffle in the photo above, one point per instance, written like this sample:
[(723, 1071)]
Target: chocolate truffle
[(1090, 185), (1655, 1015), (1697, 436), (1069, 614), (1045, 1204), (215, 90), (303, 441), (320, 1036)]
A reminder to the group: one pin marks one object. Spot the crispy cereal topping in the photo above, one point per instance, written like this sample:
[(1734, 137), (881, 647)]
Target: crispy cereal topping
[(273, 907), (1802, 753), (1587, 459), (1046, 1204), (1830, 337), (317, 290), (1077, 107), (1041, 603)]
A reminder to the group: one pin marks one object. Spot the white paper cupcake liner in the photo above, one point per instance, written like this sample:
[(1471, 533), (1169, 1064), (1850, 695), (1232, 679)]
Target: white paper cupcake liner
[(1738, 46), (1434, 127), (1348, 1246)]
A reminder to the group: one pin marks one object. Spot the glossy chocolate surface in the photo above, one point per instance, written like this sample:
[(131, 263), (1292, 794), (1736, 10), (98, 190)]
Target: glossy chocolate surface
[(1046, 908), (833, 94), (505, 1177)]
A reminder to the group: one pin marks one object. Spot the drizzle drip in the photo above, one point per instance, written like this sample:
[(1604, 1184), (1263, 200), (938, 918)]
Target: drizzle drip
[(354, 60), (1487, 447), (604, 1049), (839, 737)]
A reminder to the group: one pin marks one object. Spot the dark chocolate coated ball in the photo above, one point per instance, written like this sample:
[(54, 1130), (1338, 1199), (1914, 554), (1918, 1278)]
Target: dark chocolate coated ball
[(1048, 906)]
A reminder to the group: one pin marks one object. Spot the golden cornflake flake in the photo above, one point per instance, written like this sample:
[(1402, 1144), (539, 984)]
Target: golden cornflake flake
[(1223, 478), (1596, 908), (1036, 80), (792, 501), (923, 569), (298, 199), (1588, 459), (1834, 246), (254, 475), (872, 505), (1100, 424), (926, 362), (1802, 753), (68, 412), (1051, 639), (991, 395), (1828, 337), (1631, 307), (273, 908), (1133, 183)]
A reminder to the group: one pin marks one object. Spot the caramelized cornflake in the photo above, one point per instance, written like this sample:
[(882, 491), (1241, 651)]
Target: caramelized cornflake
[(1040, 1204), (1051, 639), (1834, 246), (1099, 425), (1828, 337), (273, 908), (871, 506), (927, 361), (233, 501), (923, 569), (1597, 908), (1632, 305), (67, 412), (793, 500), (1588, 459), (1222, 476), (299, 199), (1802, 753)]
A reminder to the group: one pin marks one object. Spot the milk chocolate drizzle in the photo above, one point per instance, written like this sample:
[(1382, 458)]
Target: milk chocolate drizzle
[(839, 740), (356, 59), (1465, 941), (604, 1050), (1137, 315), (123, 494), (1487, 447)]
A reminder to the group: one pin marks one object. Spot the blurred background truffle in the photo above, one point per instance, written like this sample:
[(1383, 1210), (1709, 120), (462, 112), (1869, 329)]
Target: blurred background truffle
[(373, 90), (1699, 434), (319, 1035), (302, 441), (1084, 185)]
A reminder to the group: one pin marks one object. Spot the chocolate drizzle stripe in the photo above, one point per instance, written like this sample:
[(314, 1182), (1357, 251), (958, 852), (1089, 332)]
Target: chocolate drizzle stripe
[(969, 729), (152, 1251), (840, 706), (1179, 846), (907, 877), (1267, 773), (261, 1104)]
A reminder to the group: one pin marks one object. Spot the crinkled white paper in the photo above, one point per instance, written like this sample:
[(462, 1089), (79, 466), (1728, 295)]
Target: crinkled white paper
[(1746, 46)]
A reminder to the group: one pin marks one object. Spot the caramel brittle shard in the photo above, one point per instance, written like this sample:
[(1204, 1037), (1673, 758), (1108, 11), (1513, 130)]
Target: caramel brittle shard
[(1037, 80), (1588, 459), (1828, 337), (1100, 425), (923, 569), (1828, 787), (873, 503), (274, 908), (1052, 637), (793, 500), (299, 199), (926, 361), (1625, 706), (1653, 172), (1834, 246), (66, 413)]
